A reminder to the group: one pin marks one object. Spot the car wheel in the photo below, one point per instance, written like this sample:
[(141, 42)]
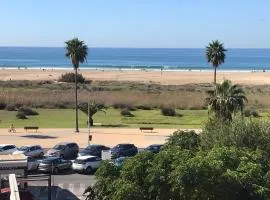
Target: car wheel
[(89, 170), (41, 154), (55, 170)]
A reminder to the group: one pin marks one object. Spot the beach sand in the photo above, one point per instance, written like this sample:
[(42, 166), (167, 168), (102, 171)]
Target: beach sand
[(166, 77)]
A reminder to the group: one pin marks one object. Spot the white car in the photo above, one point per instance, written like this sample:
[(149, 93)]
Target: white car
[(7, 149), (30, 150), (86, 164)]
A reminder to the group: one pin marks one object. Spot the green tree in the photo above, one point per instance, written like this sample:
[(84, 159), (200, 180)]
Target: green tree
[(93, 109), (215, 54), (226, 99), (77, 51)]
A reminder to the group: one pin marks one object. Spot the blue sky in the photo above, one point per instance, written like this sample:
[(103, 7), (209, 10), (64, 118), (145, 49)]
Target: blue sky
[(136, 23)]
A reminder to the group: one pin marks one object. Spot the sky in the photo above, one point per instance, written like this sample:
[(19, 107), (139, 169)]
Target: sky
[(136, 23)]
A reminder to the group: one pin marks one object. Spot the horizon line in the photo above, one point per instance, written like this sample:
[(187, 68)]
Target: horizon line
[(95, 47)]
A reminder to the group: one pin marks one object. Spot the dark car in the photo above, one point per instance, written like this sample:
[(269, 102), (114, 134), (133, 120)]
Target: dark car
[(154, 148), (123, 150), (64, 150), (93, 150), (54, 165), (24, 195)]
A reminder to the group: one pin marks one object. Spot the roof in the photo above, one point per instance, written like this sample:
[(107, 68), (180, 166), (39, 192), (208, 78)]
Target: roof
[(85, 157), (2, 145)]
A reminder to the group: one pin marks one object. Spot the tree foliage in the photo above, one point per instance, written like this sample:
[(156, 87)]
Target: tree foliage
[(225, 100), (188, 169), (93, 109), (215, 54)]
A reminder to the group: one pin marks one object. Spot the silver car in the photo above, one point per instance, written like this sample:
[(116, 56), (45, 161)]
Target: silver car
[(30, 150), (64, 150)]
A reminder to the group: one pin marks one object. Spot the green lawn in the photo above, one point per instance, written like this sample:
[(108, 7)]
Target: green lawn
[(65, 118)]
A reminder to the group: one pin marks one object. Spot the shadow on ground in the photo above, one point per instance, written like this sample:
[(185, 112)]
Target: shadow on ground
[(41, 192), (39, 136)]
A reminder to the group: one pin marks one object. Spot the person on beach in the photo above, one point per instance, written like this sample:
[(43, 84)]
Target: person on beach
[(12, 129)]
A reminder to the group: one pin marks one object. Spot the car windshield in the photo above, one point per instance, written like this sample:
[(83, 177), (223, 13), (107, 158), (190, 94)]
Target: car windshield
[(59, 147), (48, 161), (23, 148)]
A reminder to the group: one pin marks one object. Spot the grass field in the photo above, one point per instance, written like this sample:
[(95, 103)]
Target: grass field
[(65, 118)]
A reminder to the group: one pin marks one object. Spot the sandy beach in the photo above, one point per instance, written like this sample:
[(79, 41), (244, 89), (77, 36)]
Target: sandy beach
[(166, 77)]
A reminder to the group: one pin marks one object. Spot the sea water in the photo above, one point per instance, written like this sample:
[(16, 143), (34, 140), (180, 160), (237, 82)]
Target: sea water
[(135, 58)]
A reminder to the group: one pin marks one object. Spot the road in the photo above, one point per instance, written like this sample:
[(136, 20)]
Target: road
[(68, 185)]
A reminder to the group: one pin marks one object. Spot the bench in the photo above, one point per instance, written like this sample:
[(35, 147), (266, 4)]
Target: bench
[(146, 129), (31, 128)]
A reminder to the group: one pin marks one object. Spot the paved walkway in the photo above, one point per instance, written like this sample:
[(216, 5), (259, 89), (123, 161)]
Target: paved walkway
[(47, 138)]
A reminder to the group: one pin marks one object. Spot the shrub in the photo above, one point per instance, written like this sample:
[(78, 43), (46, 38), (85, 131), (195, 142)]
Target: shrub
[(168, 111), (254, 113), (60, 105), (11, 107), (21, 115), (123, 106), (70, 78), (144, 107), (251, 113), (28, 111), (2, 106), (126, 112)]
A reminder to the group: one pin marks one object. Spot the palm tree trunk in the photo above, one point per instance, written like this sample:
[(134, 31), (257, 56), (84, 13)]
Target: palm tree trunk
[(215, 75), (76, 101), (91, 121)]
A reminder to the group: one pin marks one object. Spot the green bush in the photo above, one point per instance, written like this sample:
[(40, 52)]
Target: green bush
[(3, 106), (168, 111), (27, 111), (11, 107), (21, 115), (70, 78), (144, 107), (123, 106), (126, 112)]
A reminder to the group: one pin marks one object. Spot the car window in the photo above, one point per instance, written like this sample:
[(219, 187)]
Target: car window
[(38, 147), (91, 159), (56, 161), (32, 148), (97, 159), (59, 147), (30, 159)]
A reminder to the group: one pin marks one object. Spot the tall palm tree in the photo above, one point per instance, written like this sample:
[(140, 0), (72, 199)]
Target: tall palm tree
[(225, 100), (215, 54), (77, 51)]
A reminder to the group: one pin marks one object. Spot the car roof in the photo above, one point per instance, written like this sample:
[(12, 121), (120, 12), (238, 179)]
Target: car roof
[(156, 145), (85, 157), (30, 145), (65, 143), (2, 145), (95, 145)]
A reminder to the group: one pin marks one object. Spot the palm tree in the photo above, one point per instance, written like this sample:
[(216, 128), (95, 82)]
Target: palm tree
[(215, 54), (226, 99), (93, 109), (77, 51)]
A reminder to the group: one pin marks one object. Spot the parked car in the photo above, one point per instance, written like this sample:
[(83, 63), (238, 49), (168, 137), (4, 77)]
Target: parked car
[(30, 150), (86, 164), (154, 148), (7, 149), (54, 165), (32, 164), (64, 150), (121, 150), (118, 162), (93, 150)]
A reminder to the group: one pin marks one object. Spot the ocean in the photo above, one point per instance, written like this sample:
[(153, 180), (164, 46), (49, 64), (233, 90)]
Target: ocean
[(134, 58)]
